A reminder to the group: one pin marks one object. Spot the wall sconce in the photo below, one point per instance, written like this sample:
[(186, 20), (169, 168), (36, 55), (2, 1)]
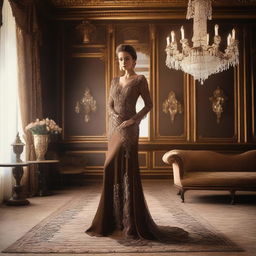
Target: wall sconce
[(172, 106), (88, 103), (218, 100), (86, 29)]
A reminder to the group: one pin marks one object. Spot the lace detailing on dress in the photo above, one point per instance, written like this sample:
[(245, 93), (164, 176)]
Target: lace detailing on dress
[(127, 208), (118, 206), (122, 106), (122, 201), (122, 211)]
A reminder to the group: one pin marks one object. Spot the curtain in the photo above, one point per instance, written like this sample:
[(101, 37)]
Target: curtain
[(1, 16), (29, 78), (9, 108)]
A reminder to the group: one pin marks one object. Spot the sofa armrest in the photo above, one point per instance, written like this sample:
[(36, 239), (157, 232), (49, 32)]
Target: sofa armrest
[(174, 160)]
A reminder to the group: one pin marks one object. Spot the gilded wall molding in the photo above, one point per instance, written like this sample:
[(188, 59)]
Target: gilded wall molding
[(143, 3), (119, 3)]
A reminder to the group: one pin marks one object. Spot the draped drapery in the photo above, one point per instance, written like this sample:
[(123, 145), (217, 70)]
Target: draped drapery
[(29, 77), (9, 110), (1, 16)]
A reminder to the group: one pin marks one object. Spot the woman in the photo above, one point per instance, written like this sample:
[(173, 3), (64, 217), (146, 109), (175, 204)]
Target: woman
[(122, 205)]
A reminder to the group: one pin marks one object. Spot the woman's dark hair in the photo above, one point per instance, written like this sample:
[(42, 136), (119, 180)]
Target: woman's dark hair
[(127, 48)]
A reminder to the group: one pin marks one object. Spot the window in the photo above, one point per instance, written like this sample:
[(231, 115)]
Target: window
[(9, 106), (142, 68)]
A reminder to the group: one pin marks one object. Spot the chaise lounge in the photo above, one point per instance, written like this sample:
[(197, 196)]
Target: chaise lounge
[(208, 170)]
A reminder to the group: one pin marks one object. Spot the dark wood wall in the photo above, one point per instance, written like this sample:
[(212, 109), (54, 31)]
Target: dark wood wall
[(92, 65)]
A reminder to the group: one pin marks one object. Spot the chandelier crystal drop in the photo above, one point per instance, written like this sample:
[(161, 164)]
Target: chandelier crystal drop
[(201, 60)]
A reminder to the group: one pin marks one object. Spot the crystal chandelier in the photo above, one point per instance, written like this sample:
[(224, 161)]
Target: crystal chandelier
[(202, 59)]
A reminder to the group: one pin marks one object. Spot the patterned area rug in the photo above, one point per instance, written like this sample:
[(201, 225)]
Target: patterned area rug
[(63, 231)]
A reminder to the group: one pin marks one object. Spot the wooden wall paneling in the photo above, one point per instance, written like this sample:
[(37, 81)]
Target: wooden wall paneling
[(231, 124), (169, 80), (81, 65), (245, 84), (253, 79), (80, 74), (95, 158), (153, 76), (157, 160), (144, 159), (195, 128), (207, 127)]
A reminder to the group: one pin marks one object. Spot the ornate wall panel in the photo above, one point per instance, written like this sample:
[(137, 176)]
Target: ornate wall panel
[(143, 160), (169, 81), (186, 121), (94, 158), (157, 160), (80, 74), (84, 83), (206, 120), (253, 80)]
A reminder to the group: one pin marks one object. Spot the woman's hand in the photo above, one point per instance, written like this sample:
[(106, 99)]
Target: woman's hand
[(127, 123)]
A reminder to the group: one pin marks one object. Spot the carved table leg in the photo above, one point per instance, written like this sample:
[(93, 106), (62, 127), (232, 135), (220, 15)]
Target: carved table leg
[(232, 194), (17, 196), (43, 180)]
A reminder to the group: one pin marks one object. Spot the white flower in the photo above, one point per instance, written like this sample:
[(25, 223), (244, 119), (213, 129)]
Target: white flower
[(44, 126)]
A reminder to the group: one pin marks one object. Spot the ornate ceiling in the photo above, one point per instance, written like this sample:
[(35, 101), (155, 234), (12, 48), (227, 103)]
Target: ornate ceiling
[(146, 9)]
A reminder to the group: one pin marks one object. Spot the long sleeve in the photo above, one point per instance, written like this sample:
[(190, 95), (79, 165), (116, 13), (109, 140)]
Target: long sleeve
[(144, 92), (111, 110)]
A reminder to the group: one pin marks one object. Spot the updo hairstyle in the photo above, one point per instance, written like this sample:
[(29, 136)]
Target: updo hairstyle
[(126, 48)]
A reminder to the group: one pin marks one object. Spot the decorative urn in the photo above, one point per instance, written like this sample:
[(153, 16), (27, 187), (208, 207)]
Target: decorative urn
[(18, 148)]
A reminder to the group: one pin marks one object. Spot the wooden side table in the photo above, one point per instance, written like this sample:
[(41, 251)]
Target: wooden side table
[(43, 188), (17, 172)]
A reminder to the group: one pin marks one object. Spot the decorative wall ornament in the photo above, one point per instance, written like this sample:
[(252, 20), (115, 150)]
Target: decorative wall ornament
[(172, 106), (88, 105), (203, 59), (86, 29), (218, 100)]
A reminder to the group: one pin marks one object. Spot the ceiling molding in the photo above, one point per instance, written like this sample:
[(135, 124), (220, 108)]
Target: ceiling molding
[(141, 3)]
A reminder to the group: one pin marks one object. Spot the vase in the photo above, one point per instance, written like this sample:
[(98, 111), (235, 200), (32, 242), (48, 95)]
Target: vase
[(41, 145)]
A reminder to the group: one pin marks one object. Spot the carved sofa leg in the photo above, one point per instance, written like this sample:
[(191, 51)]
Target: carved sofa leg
[(182, 194), (232, 194)]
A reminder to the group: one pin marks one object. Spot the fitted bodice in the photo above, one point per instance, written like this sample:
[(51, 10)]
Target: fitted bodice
[(122, 106)]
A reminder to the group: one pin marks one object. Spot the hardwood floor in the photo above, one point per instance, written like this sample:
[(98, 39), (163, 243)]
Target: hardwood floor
[(237, 221)]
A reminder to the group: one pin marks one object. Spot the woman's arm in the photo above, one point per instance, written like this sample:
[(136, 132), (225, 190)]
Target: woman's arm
[(111, 109), (144, 92)]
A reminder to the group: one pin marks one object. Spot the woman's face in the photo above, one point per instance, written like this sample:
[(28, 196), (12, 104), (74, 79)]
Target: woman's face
[(126, 62)]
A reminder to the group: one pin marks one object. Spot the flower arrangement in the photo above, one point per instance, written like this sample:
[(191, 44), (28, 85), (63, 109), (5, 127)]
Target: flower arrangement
[(43, 127)]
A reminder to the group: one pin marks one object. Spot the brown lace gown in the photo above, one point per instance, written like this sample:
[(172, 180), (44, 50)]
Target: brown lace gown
[(122, 206)]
